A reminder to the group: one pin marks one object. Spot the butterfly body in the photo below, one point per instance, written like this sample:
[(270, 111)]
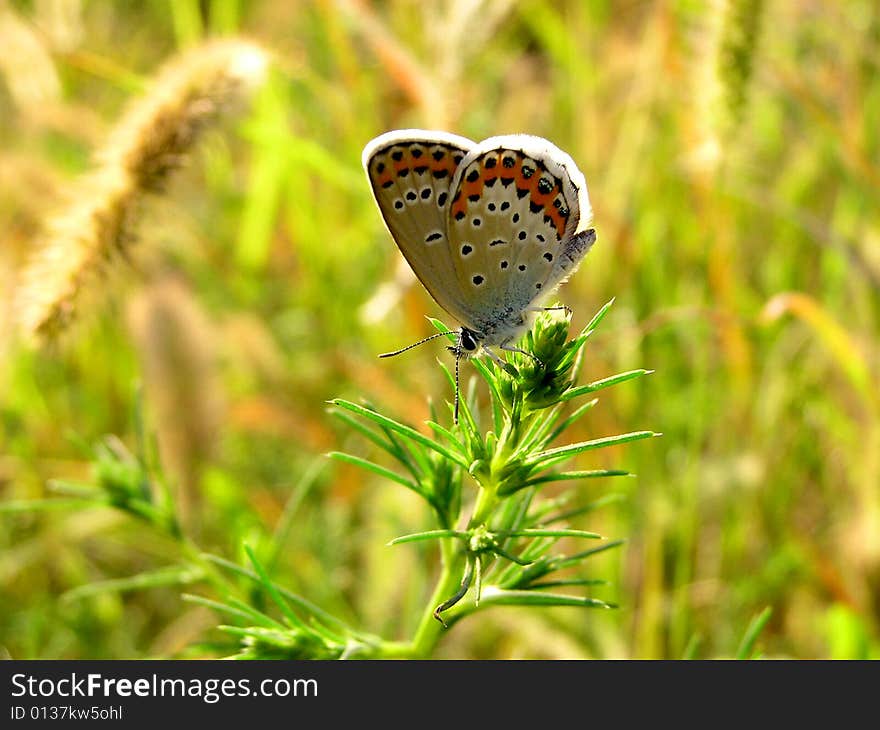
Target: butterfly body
[(490, 229)]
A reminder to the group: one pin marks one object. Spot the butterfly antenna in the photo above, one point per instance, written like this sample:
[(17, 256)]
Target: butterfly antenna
[(414, 344)]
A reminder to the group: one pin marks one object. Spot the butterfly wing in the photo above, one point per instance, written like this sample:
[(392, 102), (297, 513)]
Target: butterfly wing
[(517, 226), (410, 172)]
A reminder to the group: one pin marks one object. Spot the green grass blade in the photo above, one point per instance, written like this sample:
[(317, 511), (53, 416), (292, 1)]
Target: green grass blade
[(604, 383), (570, 475), (747, 645), (693, 646), (294, 620), (440, 327), (538, 430), (176, 575), (75, 489), (376, 469), (575, 416), (399, 428), (582, 510), (538, 532), (569, 582), (427, 535), (44, 505), (553, 456), (246, 614), (453, 440), (598, 317), (301, 489), (505, 597), (566, 562), (296, 600), (365, 431)]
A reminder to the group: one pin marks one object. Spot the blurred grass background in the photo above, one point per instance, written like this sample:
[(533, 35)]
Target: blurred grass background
[(732, 154)]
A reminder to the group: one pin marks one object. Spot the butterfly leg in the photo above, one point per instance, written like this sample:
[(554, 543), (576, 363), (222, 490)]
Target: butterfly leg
[(564, 308), (503, 365), (510, 348)]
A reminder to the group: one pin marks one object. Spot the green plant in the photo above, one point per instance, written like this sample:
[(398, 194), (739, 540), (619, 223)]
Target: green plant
[(498, 548), (497, 536)]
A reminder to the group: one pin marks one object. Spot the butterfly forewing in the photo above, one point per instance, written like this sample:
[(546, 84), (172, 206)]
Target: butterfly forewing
[(410, 172), (519, 207)]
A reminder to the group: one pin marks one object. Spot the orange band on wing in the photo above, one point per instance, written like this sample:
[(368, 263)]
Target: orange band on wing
[(545, 200), (444, 164), (541, 202), (467, 189)]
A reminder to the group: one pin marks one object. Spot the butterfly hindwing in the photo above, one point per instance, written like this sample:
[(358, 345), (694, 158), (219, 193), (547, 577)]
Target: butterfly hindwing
[(516, 225), (410, 173)]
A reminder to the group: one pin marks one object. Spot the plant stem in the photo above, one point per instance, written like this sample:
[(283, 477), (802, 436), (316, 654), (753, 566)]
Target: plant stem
[(428, 633), (485, 503)]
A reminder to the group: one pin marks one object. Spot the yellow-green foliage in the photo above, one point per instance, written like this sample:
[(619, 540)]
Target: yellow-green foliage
[(734, 49)]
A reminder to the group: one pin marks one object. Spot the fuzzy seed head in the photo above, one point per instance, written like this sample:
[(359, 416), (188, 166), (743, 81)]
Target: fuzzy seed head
[(97, 228)]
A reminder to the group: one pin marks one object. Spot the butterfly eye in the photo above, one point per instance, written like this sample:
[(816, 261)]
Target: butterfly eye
[(468, 342)]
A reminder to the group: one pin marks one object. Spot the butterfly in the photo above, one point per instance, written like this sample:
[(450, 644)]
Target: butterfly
[(490, 228)]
